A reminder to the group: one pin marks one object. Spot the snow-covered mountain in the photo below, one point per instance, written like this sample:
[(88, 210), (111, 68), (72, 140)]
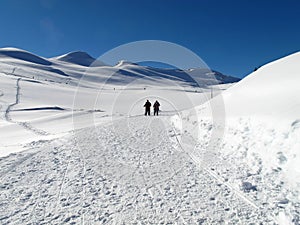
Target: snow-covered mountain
[(21, 56), (79, 58), (72, 66)]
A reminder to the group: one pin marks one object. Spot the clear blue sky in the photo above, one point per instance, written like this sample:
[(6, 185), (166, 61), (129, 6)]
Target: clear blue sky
[(231, 36)]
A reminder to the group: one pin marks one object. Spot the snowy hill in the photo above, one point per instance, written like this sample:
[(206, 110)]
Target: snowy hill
[(253, 138), (273, 90), (11, 54)]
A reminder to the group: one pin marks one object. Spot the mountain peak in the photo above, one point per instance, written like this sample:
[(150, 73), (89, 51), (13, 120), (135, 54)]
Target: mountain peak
[(125, 63), (79, 58)]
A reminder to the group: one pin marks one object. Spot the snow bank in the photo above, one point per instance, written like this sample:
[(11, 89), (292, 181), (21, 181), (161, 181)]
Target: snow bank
[(258, 120), (272, 91), (265, 108), (268, 101)]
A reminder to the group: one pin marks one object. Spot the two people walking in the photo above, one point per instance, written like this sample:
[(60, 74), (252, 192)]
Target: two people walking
[(148, 107)]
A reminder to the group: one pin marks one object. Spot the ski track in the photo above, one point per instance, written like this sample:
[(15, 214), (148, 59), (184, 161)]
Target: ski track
[(126, 172), (25, 125), (218, 178)]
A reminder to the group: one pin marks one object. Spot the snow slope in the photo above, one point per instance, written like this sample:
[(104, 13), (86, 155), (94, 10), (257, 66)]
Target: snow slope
[(21, 55), (255, 129), (272, 91)]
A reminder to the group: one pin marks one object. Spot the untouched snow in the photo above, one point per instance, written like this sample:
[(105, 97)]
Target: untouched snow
[(271, 91)]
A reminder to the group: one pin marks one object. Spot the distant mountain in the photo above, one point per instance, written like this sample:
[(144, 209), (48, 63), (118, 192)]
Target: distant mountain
[(22, 55), (80, 58), (70, 68), (125, 63)]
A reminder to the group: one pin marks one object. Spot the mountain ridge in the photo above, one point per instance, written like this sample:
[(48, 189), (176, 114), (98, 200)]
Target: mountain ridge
[(78, 63)]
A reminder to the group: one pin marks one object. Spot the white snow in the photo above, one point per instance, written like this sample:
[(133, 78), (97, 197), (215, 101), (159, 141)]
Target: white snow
[(271, 91), (87, 155), (258, 139)]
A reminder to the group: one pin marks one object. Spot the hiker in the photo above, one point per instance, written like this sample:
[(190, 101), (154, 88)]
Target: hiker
[(156, 107), (147, 108)]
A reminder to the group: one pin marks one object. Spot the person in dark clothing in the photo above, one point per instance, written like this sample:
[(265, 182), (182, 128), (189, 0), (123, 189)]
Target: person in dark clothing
[(156, 107), (147, 108)]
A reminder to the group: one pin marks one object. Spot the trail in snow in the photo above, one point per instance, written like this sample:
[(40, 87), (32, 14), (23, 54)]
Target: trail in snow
[(129, 171), (25, 125), (7, 116)]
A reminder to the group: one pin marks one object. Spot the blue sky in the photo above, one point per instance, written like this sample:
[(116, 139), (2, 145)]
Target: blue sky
[(231, 36)]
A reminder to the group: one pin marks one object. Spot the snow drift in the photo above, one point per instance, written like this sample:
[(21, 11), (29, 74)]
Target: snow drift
[(271, 91), (258, 121)]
